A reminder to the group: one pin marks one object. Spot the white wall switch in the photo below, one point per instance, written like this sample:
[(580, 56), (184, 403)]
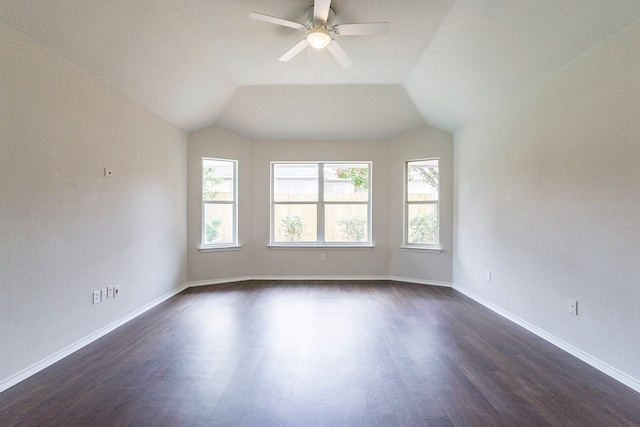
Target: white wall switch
[(103, 294), (487, 275), (573, 307), (323, 257)]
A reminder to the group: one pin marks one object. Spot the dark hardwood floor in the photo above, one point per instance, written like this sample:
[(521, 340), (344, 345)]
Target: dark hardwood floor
[(326, 353)]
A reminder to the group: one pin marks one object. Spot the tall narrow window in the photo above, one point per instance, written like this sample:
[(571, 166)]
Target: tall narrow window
[(321, 203), (422, 182), (219, 203)]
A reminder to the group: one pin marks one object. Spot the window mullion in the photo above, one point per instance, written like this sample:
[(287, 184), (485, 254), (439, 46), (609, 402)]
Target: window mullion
[(320, 210), (219, 202)]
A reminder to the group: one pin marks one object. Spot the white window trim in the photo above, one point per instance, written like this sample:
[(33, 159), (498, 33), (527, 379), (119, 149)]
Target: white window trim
[(220, 248), (425, 247), (226, 246), (422, 248), (320, 243)]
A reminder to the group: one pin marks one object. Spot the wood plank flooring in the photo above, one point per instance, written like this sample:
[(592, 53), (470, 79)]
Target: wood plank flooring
[(321, 353)]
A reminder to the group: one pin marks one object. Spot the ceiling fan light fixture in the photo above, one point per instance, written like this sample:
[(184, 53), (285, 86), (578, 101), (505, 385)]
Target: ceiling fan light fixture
[(319, 38)]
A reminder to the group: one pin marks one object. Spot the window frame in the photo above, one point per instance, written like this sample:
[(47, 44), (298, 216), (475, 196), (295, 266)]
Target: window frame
[(320, 204), (406, 228), (204, 247)]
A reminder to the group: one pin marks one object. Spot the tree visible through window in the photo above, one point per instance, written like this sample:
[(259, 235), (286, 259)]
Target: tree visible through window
[(422, 182), (219, 202), (321, 203)]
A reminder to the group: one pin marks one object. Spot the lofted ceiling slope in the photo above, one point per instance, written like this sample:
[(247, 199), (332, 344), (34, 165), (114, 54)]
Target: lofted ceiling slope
[(202, 62)]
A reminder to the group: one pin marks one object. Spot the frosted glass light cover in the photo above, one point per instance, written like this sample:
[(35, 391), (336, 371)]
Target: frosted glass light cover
[(318, 38)]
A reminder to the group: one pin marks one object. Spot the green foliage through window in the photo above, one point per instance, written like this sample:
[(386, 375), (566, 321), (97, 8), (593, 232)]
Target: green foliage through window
[(353, 228), (358, 176), (210, 181), (211, 229), (423, 228), (292, 227)]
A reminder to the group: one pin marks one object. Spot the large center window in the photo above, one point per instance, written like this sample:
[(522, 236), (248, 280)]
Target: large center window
[(321, 203)]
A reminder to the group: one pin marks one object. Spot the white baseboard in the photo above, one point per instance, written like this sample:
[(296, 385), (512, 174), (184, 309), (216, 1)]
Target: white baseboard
[(420, 281), (242, 279), (356, 277), (59, 355), (196, 283), (596, 363)]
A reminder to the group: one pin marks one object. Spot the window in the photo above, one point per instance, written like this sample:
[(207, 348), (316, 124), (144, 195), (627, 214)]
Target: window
[(421, 224), (219, 203), (326, 203)]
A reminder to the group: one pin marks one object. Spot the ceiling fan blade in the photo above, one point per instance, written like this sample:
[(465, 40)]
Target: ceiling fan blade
[(338, 52), (294, 50), (321, 10), (277, 21), (370, 29)]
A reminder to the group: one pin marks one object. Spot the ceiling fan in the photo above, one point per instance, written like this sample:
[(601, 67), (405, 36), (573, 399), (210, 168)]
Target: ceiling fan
[(321, 29)]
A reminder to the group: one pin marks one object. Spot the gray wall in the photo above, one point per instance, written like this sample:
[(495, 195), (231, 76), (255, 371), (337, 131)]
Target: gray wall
[(547, 198), (65, 229)]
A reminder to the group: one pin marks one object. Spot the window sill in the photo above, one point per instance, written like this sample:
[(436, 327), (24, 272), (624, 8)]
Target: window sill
[(204, 249), (312, 246), (433, 249)]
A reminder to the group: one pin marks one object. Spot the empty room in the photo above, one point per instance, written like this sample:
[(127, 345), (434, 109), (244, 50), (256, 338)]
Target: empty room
[(319, 213)]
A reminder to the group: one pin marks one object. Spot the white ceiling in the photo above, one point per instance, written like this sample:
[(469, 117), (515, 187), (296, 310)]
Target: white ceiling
[(202, 62)]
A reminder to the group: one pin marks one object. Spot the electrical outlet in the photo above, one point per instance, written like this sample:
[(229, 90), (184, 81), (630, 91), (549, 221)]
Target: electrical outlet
[(96, 297), (573, 307), (487, 275), (109, 291), (103, 294), (323, 257), (116, 291)]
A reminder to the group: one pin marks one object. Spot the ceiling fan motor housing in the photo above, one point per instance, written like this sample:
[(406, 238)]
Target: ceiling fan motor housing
[(313, 23)]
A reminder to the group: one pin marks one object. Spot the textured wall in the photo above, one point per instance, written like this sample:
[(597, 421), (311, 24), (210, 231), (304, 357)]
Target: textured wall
[(547, 199), (65, 229)]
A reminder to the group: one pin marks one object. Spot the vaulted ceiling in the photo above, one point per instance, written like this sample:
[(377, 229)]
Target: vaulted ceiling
[(201, 62)]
